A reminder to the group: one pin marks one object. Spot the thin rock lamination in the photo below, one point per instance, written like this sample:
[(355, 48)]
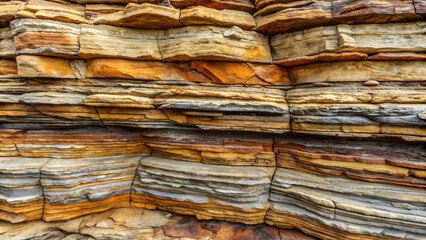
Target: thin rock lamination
[(237, 194), (137, 103)]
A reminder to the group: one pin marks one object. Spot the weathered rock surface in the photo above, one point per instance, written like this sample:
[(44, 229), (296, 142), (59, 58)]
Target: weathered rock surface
[(400, 163), (7, 48), (8, 11), (213, 43), (197, 108), (45, 37), (359, 71), (219, 149), (150, 105), (285, 16), (76, 187), (8, 68), (75, 143), (333, 207), (333, 42), (133, 223), (21, 196), (143, 16), (221, 18), (237, 194), (352, 109), (101, 41), (49, 67)]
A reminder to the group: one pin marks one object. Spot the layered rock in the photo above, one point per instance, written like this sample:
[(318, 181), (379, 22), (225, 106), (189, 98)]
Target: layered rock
[(44, 37), (285, 16), (338, 104), (220, 148), (90, 102), (134, 223), (347, 42), (337, 208), (21, 195), (401, 163), (185, 106), (75, 187), (237, 194), (195, 71), (71, 144)]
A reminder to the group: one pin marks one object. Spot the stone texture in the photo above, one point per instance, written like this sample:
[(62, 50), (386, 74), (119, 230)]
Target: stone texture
[(144, 70), (240, 5), (366, 38), (219, 149), (38, 66), (240, 193), (293, 15), (21, 195), (8, 68), (141, 16), (222, 18), (59, 11), (76, 187), (359, 71), (181, 105), (45, 37), (7, 48), (70, 144), (333, 207), (101, 41), (373, 161), (373, 11), (133, 223), (8, 10), (420, 7), (213, 43), (150, 105), (250, 73), (286, 16)]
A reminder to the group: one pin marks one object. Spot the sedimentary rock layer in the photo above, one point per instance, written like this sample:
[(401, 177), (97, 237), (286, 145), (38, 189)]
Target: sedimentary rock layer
[(47, 37), (105, 102), (21, 195), (345, 42), (237, 194), (286, 16), (79, 143), (77, 187), (136, 223), (351, 109), (195, 71), (333, 207), (185, 106), (220, 148), (385, 161)]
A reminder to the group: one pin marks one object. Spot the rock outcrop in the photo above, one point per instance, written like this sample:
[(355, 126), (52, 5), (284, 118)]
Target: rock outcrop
[(305, 114)]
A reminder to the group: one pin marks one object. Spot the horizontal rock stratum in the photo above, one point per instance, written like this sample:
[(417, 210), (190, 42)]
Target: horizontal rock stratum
[(255, 118)]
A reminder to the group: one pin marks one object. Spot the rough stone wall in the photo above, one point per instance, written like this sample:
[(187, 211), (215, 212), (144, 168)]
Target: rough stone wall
[(304, 114)]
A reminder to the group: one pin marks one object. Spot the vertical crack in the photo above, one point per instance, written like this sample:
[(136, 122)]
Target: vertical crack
[(273, 176), (99, 116), (158, 42), (134, 179), (42, 189)]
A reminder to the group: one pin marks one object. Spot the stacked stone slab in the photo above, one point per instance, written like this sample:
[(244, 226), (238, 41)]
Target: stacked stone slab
[(307, 114)]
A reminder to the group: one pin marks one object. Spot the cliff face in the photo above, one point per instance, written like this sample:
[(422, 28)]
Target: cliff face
[(297, 114)]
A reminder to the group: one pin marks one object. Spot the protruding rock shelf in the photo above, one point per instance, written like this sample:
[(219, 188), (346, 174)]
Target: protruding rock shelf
[(267, 114)]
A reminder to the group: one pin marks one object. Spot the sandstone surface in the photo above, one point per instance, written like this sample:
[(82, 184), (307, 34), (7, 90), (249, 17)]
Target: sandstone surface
[(118, 117)]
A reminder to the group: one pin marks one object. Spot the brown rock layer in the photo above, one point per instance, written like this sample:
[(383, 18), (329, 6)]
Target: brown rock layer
[(306, 114)]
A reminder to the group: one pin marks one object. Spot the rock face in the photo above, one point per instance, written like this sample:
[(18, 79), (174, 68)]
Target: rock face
[(268, 114), (237, 194), (137, 223)]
